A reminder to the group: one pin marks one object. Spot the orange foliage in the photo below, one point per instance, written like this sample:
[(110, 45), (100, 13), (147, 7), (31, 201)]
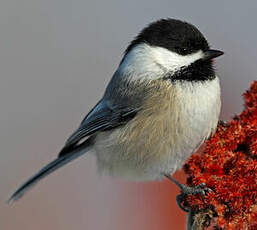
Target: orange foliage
[(228, 166)]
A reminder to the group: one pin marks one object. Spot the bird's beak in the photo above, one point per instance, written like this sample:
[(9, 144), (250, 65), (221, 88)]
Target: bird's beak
[(210, 54)]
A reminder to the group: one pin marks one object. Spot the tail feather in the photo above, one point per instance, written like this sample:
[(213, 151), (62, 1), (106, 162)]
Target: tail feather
[(49, 168)]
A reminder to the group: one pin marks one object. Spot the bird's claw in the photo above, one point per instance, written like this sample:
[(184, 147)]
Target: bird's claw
[(200, 189), (187, 190)]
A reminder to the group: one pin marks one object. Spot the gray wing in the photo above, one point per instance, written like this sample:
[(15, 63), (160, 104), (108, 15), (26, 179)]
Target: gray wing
[(116, 108), (102, 117)]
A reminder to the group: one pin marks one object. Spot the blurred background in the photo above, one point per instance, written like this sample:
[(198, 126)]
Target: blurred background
[(56, 57)]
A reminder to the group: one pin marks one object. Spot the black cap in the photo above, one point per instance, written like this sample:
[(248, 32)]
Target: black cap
[(175, 35)]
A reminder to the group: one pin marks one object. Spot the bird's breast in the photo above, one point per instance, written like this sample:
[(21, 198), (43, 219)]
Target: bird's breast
[(174, 120)]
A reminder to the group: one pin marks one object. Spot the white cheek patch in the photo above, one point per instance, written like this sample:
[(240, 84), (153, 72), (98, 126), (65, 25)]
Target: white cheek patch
[(173, 61), (145, 61)]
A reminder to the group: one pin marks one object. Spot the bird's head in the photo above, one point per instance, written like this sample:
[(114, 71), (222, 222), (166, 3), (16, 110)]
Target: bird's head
[(169, 48)]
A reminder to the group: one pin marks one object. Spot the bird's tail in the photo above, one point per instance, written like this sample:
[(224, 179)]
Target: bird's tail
[(49, 168)]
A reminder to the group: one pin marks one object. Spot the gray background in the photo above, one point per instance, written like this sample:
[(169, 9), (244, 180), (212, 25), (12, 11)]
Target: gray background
[(56, 57)]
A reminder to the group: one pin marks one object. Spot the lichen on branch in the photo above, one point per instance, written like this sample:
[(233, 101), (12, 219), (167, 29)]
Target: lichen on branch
[(228, 166)]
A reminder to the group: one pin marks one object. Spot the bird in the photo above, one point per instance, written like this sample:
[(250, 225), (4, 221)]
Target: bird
[(161, 104)]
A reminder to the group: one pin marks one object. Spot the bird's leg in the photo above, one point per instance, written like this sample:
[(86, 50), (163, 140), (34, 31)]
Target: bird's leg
[(186, 190)]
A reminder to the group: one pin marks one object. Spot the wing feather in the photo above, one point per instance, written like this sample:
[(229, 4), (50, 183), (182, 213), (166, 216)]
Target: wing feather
[(102, 117)]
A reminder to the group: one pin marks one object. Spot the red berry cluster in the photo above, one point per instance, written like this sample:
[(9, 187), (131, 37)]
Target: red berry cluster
[(228, 166)]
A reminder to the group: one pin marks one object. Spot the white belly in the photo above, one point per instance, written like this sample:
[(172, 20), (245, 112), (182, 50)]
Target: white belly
[(173, 123)]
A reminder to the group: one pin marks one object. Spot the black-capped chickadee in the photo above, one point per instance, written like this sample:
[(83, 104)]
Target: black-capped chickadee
[(159, 107)]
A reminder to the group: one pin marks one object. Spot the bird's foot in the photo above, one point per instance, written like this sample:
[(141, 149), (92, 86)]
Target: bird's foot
[(199, 189), (187, 190)]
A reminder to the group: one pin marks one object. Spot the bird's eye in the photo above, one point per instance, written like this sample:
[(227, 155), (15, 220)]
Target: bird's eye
[(184, 50), (181, 50)]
